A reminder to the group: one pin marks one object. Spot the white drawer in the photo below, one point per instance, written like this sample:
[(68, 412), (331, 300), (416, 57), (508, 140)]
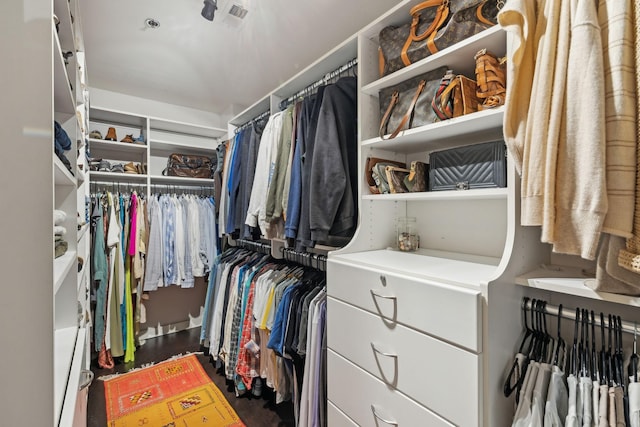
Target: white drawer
[(446, 311), (337, 418), (369, 402), (438, 375)]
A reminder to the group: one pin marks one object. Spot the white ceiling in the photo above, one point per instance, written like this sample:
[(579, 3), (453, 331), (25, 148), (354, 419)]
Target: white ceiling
[(211, 66)]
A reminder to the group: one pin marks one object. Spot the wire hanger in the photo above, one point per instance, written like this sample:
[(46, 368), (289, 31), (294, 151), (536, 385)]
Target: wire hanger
[(595, 375), (633, 360), (560, 343)]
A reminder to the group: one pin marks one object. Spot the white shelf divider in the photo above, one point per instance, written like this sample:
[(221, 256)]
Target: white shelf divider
[(458, 58), (118, 177), (479, 194), (64, 104), (75, 371), (64, 343), (61, 268), (179, 180), (481, 126), (83, 231), (102, 144), (62, 176)]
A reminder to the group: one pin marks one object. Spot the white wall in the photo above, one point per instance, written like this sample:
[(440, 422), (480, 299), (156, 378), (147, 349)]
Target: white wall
[(148, 107)]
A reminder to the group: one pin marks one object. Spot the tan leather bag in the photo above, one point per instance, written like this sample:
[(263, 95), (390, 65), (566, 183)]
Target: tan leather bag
[(455, 97), (435, 25), (189, 166)]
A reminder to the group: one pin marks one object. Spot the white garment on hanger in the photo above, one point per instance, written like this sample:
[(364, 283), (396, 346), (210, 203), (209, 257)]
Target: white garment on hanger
[(603, 409), (574, 412), (523, 415), (556, 407), (634, 404), (539, 396), (586, 397)]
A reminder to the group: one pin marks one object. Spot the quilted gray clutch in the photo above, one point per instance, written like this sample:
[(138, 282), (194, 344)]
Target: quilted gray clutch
[(473, 166)]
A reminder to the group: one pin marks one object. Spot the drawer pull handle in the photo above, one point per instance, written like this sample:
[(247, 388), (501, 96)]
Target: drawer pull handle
[(382, 353), (376, 294), (390, 422), (87, 381)]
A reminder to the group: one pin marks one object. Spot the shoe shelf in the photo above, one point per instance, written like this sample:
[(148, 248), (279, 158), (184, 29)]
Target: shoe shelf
[(458, 58), (179, 180), (479, 194), (117, 177), (61, 268), (64, 347), (481, 126), (64, 104), (114, 146), (62, 176)]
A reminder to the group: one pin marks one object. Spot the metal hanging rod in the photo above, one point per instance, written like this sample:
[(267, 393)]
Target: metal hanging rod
[(264, 248), (324, 80), (254, 120), (567, 313)]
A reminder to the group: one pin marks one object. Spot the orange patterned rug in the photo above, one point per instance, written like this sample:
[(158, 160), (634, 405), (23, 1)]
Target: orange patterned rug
[(172, 393)]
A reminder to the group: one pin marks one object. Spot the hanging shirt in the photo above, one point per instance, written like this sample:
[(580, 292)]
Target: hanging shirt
[(539, 395), (585, 390), (603, 409), (154, 276), (99, 275), (555, 413), (574, 413), (634, 404)]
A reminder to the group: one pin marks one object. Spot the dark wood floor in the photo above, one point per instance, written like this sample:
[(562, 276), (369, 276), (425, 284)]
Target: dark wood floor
[(254, 411)]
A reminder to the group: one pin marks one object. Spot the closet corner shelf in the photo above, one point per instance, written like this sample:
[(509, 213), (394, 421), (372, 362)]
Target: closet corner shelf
[(62, 175), (61, 268), (179, 180), (175, 126), (64, 346), (458, 58), (103, 145), (177, 147), (479, 194), (64, 105), (570, 281), (469, 271), (117, 177), (480, 126)]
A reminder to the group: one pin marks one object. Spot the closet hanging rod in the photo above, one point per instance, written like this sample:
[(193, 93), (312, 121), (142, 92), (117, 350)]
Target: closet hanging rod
[(327, 77), (255, 119), (567, 313), (116, 183)]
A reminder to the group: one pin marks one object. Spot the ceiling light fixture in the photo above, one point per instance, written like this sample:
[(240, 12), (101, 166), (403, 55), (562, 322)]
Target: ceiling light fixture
[(209, 9)]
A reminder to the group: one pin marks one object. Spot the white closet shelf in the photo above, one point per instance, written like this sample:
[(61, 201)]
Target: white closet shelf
[(117, 177), (64, 346), (75, 371), (66, 33), (81, 277), (481, 126), (61, 174), (61, 268), (252, 112), (175, 126), (179, 180), (453, 268), (458, 58), (177, 147), (571, 281), (102, 145), (64, 105), (479, 194), (112, 117)]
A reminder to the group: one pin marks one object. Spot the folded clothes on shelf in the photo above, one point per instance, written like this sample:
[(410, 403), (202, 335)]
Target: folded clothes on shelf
[(61, 248), (59, 230), (59, 216)]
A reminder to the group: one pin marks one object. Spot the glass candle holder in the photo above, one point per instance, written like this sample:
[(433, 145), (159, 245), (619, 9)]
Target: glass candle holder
[(408, 239)]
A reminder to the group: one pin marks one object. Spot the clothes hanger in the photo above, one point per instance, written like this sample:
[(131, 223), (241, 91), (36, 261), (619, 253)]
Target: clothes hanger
[(516, 373), (611, 372), (633, 360), (560, 344), (595, 375), (604, 378), (619, 353), (574, 350)]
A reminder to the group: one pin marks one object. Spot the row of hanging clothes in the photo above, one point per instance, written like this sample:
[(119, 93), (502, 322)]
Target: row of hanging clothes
[(264, 325), (574, 383), (293, 174), (137, 246)]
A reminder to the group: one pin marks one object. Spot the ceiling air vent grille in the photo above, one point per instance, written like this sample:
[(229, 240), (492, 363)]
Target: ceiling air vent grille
[(238, 11)]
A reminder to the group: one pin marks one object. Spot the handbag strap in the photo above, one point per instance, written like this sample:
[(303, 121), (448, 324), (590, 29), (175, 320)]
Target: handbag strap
[(442, 102), (441, 16), (407, 115)]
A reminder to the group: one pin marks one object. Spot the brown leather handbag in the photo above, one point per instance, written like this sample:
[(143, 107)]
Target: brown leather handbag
[(455, 97), (368, 172), (408, 104), (190, 166), (435, 25)]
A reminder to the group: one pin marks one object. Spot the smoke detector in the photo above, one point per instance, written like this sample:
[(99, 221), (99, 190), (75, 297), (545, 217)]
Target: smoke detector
[(238, 11)]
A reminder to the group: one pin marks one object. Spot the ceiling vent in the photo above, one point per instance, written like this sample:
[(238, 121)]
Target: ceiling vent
[(238, 11)]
